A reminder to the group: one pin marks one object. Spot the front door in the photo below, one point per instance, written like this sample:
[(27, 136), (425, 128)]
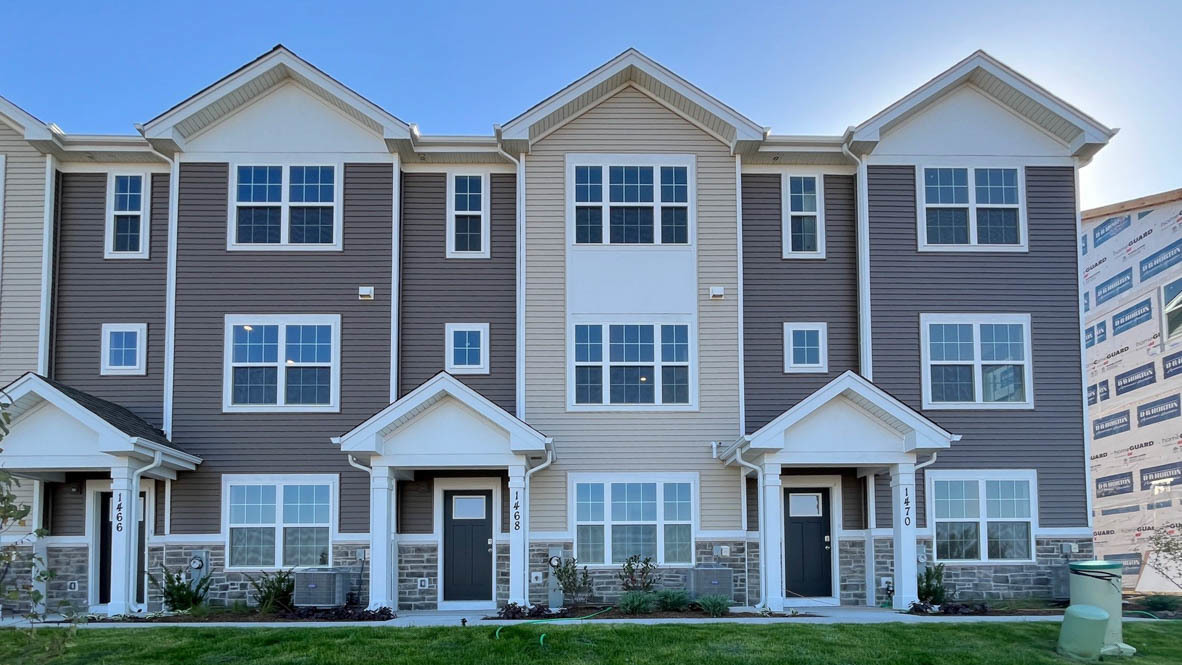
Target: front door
[(467, 545), (807, 556), (104, 590)]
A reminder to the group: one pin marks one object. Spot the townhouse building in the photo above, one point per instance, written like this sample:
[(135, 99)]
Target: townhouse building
[(280, 327)]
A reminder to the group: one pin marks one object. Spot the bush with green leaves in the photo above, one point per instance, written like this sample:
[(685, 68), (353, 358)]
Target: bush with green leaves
[(179, 595), (273, 591), (635, 602), (575, 583), (672, 600), (931, 585), (714, 604), (1162, 603), (637, 574)]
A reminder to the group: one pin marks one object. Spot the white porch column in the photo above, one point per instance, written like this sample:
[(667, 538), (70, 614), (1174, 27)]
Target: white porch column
[(518, 583), (124, 496), (771, 526), (903, 519), (383, 545)]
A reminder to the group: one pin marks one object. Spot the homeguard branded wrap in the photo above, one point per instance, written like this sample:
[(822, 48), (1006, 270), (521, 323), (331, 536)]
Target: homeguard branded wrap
[(1091, 394), (1132, 317), (1114, 286), (1089, 337), (1171, 365), (1130, 562), (1083, 245), (1161, 260), (1110, 228), (1109, 425), (1120, 483), (1159, 410), (1171, 474), (1102, 390), (1138, 377)]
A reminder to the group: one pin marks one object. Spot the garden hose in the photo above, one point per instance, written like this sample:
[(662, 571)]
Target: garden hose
[(1152, 616), (542, 639)]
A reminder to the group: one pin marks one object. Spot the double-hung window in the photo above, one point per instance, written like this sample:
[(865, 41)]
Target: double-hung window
[(282, 363), (285, 207), (976, 361), (632, 364), (278, 521), (972, 208), (631, 200), (1171, 296), (803, 224), (466, 348), (467, 216), (124, 349), (983, 516), (126, 235), (806, 348), (621, 516)]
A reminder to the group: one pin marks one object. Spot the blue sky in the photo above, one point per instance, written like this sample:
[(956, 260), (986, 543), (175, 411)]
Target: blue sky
[(459, 67)]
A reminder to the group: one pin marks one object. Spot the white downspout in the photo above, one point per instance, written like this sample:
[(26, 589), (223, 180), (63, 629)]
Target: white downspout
[(862, 214), (762, 549), (133, 560), (526, 513)]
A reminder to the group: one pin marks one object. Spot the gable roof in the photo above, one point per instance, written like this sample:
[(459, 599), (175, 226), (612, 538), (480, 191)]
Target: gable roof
[(1083, 134), (630, 68), (168, 131)]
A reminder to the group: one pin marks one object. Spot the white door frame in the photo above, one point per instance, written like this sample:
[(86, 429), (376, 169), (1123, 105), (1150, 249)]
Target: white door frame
[(94, 487), (467, 483), (833, 484)]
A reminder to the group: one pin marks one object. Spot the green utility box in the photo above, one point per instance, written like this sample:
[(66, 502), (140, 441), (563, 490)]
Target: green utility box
[(1098, 584), (1082, 634)]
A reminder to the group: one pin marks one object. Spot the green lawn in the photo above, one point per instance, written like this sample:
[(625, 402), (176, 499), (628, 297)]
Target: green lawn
[(701, 644)]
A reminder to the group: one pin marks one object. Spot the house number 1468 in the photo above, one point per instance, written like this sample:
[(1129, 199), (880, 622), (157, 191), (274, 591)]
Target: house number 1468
[(517, 510)]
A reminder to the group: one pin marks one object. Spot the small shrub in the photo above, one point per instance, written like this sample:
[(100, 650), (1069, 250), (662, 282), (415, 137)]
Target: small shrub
[(715, 604), (511, 611), (1162, 603), (964, 608), (575, 584), (636, 602), (672, 600), (636, 574), (273, 591), (240, 607), (931, 585), (178, 593)]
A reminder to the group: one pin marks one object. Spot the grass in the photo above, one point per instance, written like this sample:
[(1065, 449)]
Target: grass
[(716, 644)]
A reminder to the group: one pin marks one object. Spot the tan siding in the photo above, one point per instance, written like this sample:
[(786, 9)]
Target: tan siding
[(20, 282), (632, 122)]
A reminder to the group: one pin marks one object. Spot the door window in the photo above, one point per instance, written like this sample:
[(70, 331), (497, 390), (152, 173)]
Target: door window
[(804, 505)]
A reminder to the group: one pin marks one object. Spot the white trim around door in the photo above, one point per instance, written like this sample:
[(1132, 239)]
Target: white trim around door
[(475, 483), (833, 484)]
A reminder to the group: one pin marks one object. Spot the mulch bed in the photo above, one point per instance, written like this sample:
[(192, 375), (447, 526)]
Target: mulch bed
[(585, 612), (301, 614)]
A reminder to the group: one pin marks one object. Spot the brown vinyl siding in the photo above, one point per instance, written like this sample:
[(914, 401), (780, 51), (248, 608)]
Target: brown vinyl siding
[(778, 290), (436, 290), (853, 495), (416, 507), (212, 282), (91, 291), (66, 512), (1042, 282)]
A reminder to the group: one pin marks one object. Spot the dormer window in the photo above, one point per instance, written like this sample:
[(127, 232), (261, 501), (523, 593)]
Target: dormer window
[(631, 199), (292, 207)]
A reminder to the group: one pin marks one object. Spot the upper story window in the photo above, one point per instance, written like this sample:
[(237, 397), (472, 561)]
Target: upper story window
[(293, 207), (1171, 296), (124, 349), (467, 216), (126, 235), (806, 348), (278, 521), (976, 361), (466, 348), (631, 199), (972, 209), (632, 365), (803, 224), (622, 515), (983, 515), (282, 363)]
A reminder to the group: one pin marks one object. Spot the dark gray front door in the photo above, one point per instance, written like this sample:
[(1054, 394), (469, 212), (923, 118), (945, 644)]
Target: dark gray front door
[(105, 500), (467, 545), (807, 562)]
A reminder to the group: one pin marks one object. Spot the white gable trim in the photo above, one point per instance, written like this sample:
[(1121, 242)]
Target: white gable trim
[(21, 120)]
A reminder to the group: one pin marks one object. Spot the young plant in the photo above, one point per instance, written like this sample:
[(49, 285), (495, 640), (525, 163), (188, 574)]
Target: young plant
[(931, 585), (715, 604), (636, 574), (1165, 555), (575, 584), (178, 593), (636, 602), (273, 591), (672, 600)]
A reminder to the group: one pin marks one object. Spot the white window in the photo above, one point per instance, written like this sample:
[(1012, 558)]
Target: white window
[(627, 365), (972, 209), (124, 349), (976, 361), (282, 363), (278, 521), (467, 216), (621, 515), (466, 348), (126, 235), (1171, 297), (288, 207), (806, 348), (803, 224), (983, 515), (631, 199)]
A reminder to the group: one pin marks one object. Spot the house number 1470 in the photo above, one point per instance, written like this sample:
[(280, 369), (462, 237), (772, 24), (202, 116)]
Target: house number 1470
[(906, 506)]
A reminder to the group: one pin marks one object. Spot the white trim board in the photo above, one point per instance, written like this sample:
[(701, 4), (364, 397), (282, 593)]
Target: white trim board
[(833, 484), (452, 484)]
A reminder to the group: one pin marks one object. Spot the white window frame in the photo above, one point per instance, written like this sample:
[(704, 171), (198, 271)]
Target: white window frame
[(1166, 308), (655, 161), (792, 368), (281, 320), (449, 347), (605, 322), (925, 321), (485, 195), (606, 479), (786, 213), (981, 476), (922, 206), (145, 206), (285, 205), (141, 350), (279, 480)]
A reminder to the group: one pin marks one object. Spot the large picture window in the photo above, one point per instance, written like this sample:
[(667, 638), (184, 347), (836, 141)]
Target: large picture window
[(965, 208), (278, 521), (976, 361), (983, 516), (632, 364), (282, 363), (620, 516), (631, 199), (293, 207)]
